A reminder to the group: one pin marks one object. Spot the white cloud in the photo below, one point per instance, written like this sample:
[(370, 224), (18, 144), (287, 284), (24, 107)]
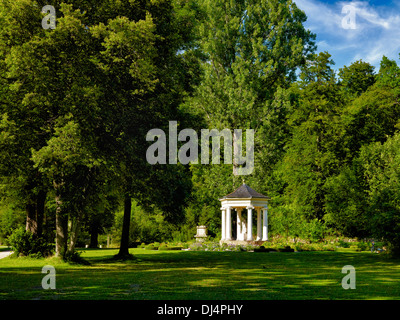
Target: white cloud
[(319, 15), (376, 33)]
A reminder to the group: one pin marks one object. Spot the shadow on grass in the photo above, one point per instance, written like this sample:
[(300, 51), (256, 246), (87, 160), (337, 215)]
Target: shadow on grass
[(209, 275)]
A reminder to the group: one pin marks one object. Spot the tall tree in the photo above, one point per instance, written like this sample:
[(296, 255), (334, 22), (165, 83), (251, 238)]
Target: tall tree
[(363, 200), (21, 117), (370, 121), (146, 75), (381, 163), (86, 93), (313, 151), (251, 49), (70, 166), (358, 77)]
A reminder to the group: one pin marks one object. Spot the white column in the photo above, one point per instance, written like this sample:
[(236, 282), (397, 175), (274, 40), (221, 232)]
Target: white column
[(265, 224), (244, 229), (249, 223), (228, 224), (223, 223), (238, 223), (259, 228)]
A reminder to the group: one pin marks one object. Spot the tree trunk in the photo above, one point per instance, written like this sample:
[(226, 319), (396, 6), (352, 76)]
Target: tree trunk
[(74, 232), (31, 219), (94, 236), (40, 204), (124, 247), (61, 230), (35, 213)]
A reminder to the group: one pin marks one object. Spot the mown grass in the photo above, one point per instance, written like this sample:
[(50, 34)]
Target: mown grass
[(204, 275)]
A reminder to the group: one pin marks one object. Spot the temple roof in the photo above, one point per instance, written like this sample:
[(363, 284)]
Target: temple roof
[(244, 192)]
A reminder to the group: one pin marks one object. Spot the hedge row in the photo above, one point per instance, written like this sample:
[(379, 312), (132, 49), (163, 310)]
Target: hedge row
[(158, 246)]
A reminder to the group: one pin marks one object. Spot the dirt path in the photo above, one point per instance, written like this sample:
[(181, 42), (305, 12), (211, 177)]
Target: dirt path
[(4, 254)]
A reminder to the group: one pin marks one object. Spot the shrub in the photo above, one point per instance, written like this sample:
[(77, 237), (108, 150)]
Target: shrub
[(151, 246), (249, 247), (165, 247), (343, 244), (316, 230), (363, 246), (329, 247), (185, 245), (75, 257), (196, 246), (25, 243), (236, 248)]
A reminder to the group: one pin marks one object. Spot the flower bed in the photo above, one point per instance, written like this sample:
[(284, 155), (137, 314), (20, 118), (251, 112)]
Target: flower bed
[(274, 245)]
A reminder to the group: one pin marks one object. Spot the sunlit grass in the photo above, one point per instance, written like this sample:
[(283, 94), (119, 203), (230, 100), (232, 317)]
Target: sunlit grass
[(204, 275)]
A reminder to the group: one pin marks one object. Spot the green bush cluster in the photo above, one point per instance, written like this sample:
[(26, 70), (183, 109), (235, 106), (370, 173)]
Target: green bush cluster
[(359, 245), (280, 243), (215, 246), (343, 244), (162, 246), (314, 247), (268, 246), (274, 245), (151, 246), (363, 246), (24, 243), (169, 247)]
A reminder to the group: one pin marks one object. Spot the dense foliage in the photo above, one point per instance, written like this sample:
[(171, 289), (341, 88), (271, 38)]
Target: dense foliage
[(77, 101)]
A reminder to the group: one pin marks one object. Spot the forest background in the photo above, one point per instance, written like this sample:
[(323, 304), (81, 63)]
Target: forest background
[(77, 101)]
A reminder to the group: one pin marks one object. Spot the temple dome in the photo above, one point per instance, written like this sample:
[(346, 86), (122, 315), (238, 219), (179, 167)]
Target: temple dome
[(244, 192)]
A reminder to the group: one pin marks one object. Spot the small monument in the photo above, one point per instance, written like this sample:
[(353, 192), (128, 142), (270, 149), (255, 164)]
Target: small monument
[(201, 233)]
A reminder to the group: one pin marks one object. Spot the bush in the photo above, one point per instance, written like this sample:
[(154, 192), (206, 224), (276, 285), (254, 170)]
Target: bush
[(215, 246), (165, 247), (25, 243), (363, 246), (315, 230), (344, 244), (151, 246), (329, 247), (74, 257)]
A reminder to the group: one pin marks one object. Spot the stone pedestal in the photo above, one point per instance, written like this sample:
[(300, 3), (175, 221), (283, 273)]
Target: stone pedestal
[(201, 233)]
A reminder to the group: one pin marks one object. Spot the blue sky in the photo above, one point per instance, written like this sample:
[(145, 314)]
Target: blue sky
[(376, 29)]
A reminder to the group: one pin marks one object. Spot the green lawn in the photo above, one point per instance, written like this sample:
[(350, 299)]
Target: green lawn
[(204, 275)]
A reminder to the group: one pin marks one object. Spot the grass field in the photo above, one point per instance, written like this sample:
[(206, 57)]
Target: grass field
[(204, 275)]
